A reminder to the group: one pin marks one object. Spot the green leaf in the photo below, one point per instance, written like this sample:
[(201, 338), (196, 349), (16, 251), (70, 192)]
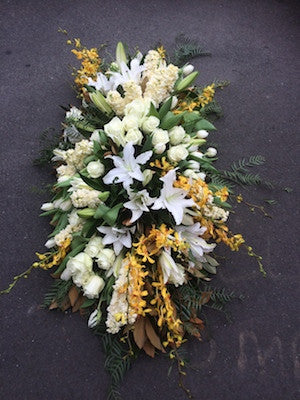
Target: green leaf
[(153, 111), (221, 203), (65, 183), (170, 120), (96, 147), (93, 183), (165, 108), (147, 145), (45, 213), (111, 216), (204, 124), (101, 210), (89, 228), (88, 303)]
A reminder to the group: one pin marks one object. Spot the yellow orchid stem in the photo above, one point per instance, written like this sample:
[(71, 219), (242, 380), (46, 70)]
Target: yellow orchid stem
[(16, 278)]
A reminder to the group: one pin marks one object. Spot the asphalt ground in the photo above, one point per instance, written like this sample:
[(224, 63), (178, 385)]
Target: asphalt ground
[(47, 355)]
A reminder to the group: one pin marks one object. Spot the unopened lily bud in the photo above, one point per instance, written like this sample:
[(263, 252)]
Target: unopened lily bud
[(187, 69), (103, 196), (197, 142), (50, 243), (147, 174), (99, 100), (47, 207), (202, 134), (174, 102), (211, 152), (186, 82), (120, 54), (86, 213)]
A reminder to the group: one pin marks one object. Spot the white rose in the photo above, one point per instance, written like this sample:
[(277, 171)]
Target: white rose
[(47, 207), (81, 278), (211, 152), (95, 169), (139, 108), (134, 135), (177, 153), (150, 124), (114, 129), (130, 122), (202, 134), (176, 135), (147, 174), (160, 136), (189, 173), (93, 287), (94, 246), (106, 258), (79, 267), (159, 148), (187, 69)]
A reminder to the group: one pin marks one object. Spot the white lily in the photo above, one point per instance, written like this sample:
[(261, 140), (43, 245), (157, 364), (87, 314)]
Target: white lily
[(173, 199), (172, 272), (138, 203), (132, 73), (119, 238), (127, 168), (197, 244), (102, 83)]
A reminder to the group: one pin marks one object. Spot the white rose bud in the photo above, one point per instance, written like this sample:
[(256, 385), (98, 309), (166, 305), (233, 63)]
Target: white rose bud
[(190, 173), (94, 246), (47, 207), (134, 135), (50, 243), (187, 69), (211, 152), (93, 287), (130, 122), (159, 148), (95, 169), (202, 134), (147, 174), (115, 130), (201, 175), (174, 102), (106, 258), (65, 205), (177, 153), (197, 154), (150, 124), (95, 136), (160, 136), (194, 165), (176, 135)]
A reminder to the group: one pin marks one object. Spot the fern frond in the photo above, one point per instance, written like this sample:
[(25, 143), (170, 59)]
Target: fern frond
[(57, 292), (185, 50)]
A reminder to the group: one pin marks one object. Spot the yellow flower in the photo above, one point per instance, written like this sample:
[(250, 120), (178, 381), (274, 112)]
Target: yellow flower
[(222, 193)]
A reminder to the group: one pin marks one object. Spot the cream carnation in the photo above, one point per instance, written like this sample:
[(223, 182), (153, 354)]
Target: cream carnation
[(95, 169)]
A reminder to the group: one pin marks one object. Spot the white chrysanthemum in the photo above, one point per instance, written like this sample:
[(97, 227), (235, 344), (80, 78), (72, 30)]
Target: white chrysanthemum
[(65, 172), (75, 157), (85, 198)]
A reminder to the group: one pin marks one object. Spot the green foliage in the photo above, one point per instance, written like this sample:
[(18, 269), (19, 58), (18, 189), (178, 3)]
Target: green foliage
[(57, 292), (117, 362), (49, 140), (239, 174), (211, 108), (185, 50)]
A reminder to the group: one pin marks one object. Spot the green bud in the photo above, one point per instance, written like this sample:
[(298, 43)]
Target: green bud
[(197, 142), (120, 54), (103, 196), (186, 82), (86, 213), (99, 100)]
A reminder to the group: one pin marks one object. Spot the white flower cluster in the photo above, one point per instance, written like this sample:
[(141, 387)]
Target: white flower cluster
[(215, 213), (75, 225)]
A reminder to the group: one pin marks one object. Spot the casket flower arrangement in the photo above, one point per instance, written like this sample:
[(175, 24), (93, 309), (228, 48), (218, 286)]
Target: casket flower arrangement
[(138, 207)]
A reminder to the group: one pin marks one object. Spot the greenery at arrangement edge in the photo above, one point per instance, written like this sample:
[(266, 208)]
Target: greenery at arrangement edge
[(167, 268)]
